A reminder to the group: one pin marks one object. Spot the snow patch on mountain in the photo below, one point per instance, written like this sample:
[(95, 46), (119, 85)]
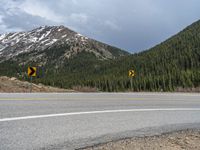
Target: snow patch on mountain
[(2, 36), (52, 42), (36, 41)]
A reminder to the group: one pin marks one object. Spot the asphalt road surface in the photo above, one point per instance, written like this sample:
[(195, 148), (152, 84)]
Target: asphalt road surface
[(73, 121)]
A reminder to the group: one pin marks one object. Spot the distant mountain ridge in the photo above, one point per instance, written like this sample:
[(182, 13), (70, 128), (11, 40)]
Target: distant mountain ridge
[(38, 40)]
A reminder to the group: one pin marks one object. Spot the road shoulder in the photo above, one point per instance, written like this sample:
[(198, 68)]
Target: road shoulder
[(184, 139)]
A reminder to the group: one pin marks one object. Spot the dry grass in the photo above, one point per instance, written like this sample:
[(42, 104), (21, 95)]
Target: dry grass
[(84, 89), (180, 89)]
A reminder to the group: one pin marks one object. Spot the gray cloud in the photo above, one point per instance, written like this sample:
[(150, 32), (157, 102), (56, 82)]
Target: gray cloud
[(23, 21), (133, 25)]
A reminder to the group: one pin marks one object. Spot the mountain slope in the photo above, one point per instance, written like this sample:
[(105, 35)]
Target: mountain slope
[(172, 64), (167, 66)]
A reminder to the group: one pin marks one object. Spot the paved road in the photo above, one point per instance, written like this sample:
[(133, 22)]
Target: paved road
[(72, 121)]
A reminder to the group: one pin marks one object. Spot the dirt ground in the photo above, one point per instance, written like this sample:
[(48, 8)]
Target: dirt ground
[(12, 85), (181, 140), (180, 89)]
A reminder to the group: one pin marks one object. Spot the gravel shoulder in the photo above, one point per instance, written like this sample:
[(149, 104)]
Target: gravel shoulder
[(180, 140)]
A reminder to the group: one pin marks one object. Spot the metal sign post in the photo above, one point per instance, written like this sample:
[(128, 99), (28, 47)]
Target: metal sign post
[(131, 74), (131, 80), (31, 84), (31, 74)]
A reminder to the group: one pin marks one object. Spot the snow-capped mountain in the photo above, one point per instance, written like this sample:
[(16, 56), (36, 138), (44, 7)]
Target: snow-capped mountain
[(37, 41)]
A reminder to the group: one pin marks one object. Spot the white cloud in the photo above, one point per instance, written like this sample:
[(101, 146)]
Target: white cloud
[(79, 18), (1, 17), (37, 8), (75, 2)]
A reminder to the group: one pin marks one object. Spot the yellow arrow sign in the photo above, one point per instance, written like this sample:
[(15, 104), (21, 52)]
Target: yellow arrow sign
[(131, 73), (32, 71)]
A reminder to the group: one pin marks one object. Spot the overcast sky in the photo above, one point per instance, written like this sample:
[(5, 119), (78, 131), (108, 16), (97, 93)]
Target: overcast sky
[(133, 25)]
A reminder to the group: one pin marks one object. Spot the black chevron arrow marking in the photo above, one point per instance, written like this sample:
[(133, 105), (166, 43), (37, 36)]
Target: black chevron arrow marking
[(32, 71)]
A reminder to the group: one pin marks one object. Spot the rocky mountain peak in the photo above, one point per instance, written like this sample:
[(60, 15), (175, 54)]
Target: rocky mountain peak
[(42, 38)]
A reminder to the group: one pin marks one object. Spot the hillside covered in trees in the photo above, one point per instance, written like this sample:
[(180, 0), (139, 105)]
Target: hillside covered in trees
[(173, 63)]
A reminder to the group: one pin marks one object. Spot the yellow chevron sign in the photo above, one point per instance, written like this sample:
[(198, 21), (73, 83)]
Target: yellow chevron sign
[(32, 71), (131, 73)]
